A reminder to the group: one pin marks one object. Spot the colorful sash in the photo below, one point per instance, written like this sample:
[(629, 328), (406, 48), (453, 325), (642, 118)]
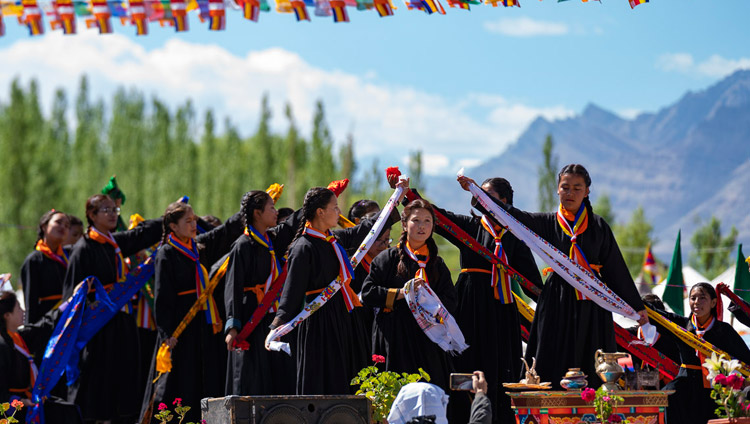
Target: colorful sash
[(120, 265), (346, 272), (201, 278), (500, 279), (577, 276), (60, 256), (433, 318), (21, 347), (275, 265), (700, 330), (272, 340), (366, 261), (580, 223), (422, 251)]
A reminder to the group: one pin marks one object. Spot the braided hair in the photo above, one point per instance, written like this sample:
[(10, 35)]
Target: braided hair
[(175, 211), (252, 201), (315, 198), (44, 221), (403, 257), (360, 208), (577, 169)]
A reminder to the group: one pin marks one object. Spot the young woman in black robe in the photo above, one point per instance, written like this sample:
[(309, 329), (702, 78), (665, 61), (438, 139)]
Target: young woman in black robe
[(324, 355), (198, 356), (396, 332), (255, 260), (107, 388), (691, 386), (487, 315), (43, 271), (566, 331), (17, 347)]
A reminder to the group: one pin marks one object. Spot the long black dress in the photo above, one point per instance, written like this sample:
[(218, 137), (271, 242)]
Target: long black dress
[(362, 319), (199, 359), (256, 371), (15, 375), (566, 332), (491, 328), (106, 388), (42, 281), (396, 332)]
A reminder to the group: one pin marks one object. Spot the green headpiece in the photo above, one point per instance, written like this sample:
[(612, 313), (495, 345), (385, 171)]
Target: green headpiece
[(113, 191)]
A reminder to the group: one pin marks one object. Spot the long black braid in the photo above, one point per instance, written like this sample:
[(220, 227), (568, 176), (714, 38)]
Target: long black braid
[(432, 248), (252, 201), (315, 198)]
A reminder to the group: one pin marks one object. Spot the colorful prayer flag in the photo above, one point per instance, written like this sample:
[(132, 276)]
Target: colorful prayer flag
[(384, 7), (300, 10), (634, 3), (101, 12), (742, 276), (217, 15), (506, 3), (2, 24), (32, 17), (433, 6), (138, 17), (179, 15), (65, 16), (459, 4), (650, 268), (338, 7), (674, 292), (251, 9)]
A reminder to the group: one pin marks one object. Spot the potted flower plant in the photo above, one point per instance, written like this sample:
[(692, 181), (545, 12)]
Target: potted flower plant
[(605, 404), (383, 387), (728, 390)]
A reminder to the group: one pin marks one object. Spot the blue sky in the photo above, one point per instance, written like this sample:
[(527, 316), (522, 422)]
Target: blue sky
[(460, 87)]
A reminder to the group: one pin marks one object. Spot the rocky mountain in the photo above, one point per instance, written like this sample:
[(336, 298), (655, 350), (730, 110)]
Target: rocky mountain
[(682, 163)]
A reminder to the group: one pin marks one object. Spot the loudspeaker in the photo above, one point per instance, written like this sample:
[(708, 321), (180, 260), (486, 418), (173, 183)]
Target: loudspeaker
[(287, 410)]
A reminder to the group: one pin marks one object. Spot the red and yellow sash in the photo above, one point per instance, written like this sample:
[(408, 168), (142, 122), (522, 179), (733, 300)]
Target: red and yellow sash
[(422, 251), (580, 223), (265, 241), (345, 268), (499, 278), (59, 256), (21, 347), (700, 330), (365, 262), (99, 237), (201, 278)]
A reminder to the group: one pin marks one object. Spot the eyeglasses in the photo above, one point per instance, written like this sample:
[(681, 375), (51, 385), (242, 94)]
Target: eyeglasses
[(113, 211), (386, 242)]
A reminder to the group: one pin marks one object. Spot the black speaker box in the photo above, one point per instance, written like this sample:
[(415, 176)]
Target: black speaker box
[(286, 410)]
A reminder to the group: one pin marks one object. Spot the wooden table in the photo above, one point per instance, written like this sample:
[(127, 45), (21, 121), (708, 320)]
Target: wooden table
[(553, 407)]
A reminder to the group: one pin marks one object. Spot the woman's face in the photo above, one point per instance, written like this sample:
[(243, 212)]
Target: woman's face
[(266, 218), (572, 190), (14, 319), (329, 216), (105, 218), (74, 234), (381, 243), (419, 226), (186, 227), (57, 229), (701, 303)]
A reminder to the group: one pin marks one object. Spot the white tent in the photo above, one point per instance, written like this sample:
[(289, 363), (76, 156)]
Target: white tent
[(727, 277), (690, 276)]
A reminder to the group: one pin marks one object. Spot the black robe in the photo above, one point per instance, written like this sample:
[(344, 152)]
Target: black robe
[(362, 319), (42, 282), (688, 384), (107, 387), (256, 371), (15, 375), (492, 329), (396, 333), (199, 358), (566, 332)]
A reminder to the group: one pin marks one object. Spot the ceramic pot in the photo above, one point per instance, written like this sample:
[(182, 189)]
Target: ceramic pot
[(574, 379)]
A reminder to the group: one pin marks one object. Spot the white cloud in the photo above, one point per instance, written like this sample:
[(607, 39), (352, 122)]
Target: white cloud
[(526, 27), (715, 66), (388, 120)]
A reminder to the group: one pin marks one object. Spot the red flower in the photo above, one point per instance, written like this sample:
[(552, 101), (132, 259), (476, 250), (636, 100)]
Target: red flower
[(720, 379), (378, 359), (337, 187), (614, 418), (162, 406), (734, 381), (177, 401), (392, 171), (588, 395), (17, 404)]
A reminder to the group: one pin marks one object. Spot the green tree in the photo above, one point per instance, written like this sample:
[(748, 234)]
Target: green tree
[(185, 151), (711, 251), (322, 168), (347, 169), (548, 177), (163, 169), (603, 207), (207, 165), (129, 159), (633, 237), (88, 176), (296, 158), (266, 170), (415, 170)]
